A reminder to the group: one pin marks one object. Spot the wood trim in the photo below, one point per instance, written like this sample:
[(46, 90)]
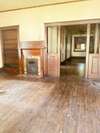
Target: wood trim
[(73, 22), (59, 47), (46, 51), (87, 49), (96, 38), (43, 5), (9, 27), (31, 44)]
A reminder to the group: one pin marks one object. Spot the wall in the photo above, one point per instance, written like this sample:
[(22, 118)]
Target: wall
[(31, 21)]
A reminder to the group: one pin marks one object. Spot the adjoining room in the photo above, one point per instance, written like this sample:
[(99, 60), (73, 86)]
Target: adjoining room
[(74, 46), (73, 49)]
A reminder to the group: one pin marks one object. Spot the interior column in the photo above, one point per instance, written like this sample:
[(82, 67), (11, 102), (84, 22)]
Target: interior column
[(87, 48)]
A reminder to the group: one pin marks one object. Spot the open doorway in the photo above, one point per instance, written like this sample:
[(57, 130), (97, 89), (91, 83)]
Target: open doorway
[(73, 50)]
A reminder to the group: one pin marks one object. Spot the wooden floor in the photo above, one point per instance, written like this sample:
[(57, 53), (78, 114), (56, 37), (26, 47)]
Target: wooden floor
[(68, 105), (73, 66)]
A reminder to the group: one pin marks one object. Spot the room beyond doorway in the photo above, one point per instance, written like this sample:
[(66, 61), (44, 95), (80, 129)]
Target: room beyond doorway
[(73, 66), (73, 50)]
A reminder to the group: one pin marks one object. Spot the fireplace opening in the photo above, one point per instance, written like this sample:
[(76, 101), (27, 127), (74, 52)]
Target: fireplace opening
[(32, 66)]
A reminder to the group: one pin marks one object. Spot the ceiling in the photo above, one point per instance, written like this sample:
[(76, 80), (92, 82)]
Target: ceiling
[(6, 5)]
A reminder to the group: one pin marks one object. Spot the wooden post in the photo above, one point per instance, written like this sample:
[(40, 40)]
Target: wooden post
[(59, 47), (96, 38), (87, 49)]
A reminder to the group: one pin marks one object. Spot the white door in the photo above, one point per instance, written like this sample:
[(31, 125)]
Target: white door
[(53, 44)]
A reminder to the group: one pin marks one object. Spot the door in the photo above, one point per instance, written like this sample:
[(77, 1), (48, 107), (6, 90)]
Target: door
[(53, 44), (10, 48), (94, 53)]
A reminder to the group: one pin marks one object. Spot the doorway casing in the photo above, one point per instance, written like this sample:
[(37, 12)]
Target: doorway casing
[(91, 59)]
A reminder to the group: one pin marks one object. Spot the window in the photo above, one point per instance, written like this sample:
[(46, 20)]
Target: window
[(79, 43)]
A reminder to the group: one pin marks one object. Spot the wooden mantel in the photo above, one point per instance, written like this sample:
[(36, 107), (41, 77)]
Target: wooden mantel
[(32, 48), (32, 44)]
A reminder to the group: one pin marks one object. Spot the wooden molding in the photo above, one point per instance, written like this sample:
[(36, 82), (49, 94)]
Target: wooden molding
[(31, 44), (43, 5), (73, 22)]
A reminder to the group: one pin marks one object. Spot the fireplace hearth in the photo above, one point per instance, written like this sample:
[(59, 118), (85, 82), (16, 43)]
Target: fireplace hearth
[(32, 66)]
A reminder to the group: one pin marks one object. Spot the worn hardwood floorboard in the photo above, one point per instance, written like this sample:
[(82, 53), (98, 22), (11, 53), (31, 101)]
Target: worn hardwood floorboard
[(68, 105)]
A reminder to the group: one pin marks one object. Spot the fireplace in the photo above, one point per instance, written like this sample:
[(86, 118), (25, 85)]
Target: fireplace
[(32, 58), (32, 65)]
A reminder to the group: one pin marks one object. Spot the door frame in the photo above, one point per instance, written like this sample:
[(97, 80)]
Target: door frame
[(88, 22), (18, 40), (46, 50)]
